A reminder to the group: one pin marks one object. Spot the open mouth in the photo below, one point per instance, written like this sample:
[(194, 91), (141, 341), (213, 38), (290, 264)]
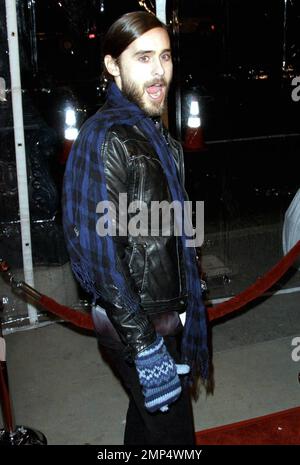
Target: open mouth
[(156, 91)]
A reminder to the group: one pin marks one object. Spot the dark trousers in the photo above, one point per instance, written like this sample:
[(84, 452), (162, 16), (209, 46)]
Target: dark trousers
[(176, 426)]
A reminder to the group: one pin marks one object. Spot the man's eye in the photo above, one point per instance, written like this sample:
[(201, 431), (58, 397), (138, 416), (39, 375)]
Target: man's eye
[(144, 59), (166, 57)]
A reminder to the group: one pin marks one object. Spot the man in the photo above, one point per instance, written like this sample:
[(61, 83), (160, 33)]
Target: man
[(141, 277)]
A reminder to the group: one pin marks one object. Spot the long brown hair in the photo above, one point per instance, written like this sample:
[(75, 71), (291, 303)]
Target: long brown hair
[(125, 30)]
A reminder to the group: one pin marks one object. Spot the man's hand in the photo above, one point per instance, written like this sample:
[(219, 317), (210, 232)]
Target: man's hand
[(158, 375)]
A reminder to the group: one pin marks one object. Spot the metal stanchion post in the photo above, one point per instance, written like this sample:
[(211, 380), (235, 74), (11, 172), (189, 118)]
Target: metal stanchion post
[(11, 434)]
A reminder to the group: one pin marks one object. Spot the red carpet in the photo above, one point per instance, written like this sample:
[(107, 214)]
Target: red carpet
[(277, 428)]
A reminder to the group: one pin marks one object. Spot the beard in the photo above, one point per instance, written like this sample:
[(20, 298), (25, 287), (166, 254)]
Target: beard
[(136, 94)]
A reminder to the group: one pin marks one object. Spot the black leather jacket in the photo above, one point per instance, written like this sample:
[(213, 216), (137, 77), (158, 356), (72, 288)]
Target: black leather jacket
[(152, 264)]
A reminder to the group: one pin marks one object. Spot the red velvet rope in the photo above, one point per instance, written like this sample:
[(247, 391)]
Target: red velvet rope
[(84, 320)]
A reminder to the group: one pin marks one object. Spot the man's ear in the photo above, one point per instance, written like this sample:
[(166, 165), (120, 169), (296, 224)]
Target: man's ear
[(111, 65)]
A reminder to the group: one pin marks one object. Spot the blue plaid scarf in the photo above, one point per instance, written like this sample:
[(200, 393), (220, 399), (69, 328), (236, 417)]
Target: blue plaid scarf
[(93, 258)]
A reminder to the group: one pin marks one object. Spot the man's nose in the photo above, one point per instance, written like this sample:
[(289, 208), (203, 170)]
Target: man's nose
[(158, 68)]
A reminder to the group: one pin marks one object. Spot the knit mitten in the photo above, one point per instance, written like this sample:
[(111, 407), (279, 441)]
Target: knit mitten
[(158, 376)]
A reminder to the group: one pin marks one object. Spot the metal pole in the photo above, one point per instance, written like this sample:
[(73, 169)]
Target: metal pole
[(16, 92), (13, 435), (5, 401)]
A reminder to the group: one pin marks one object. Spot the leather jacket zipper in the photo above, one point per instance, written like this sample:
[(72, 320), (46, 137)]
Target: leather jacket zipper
[(178, 263), (141, 183)]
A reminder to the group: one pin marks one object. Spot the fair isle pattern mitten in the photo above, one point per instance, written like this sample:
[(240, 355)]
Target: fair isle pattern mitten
[(158, 376)]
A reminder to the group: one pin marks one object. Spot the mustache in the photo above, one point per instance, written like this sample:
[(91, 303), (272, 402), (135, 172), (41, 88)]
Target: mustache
[(161, 82)]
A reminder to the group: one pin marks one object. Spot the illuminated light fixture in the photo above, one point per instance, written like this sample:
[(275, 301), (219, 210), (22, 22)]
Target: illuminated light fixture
[(70, 118), (92, 36), (193, 137), (194, 120), (71, 132)]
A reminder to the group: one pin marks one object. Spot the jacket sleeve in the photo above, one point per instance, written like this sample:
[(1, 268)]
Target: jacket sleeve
[(134, 329)]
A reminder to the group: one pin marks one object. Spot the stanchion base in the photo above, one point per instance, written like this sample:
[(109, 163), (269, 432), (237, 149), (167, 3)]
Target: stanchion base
[(22, 436)]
